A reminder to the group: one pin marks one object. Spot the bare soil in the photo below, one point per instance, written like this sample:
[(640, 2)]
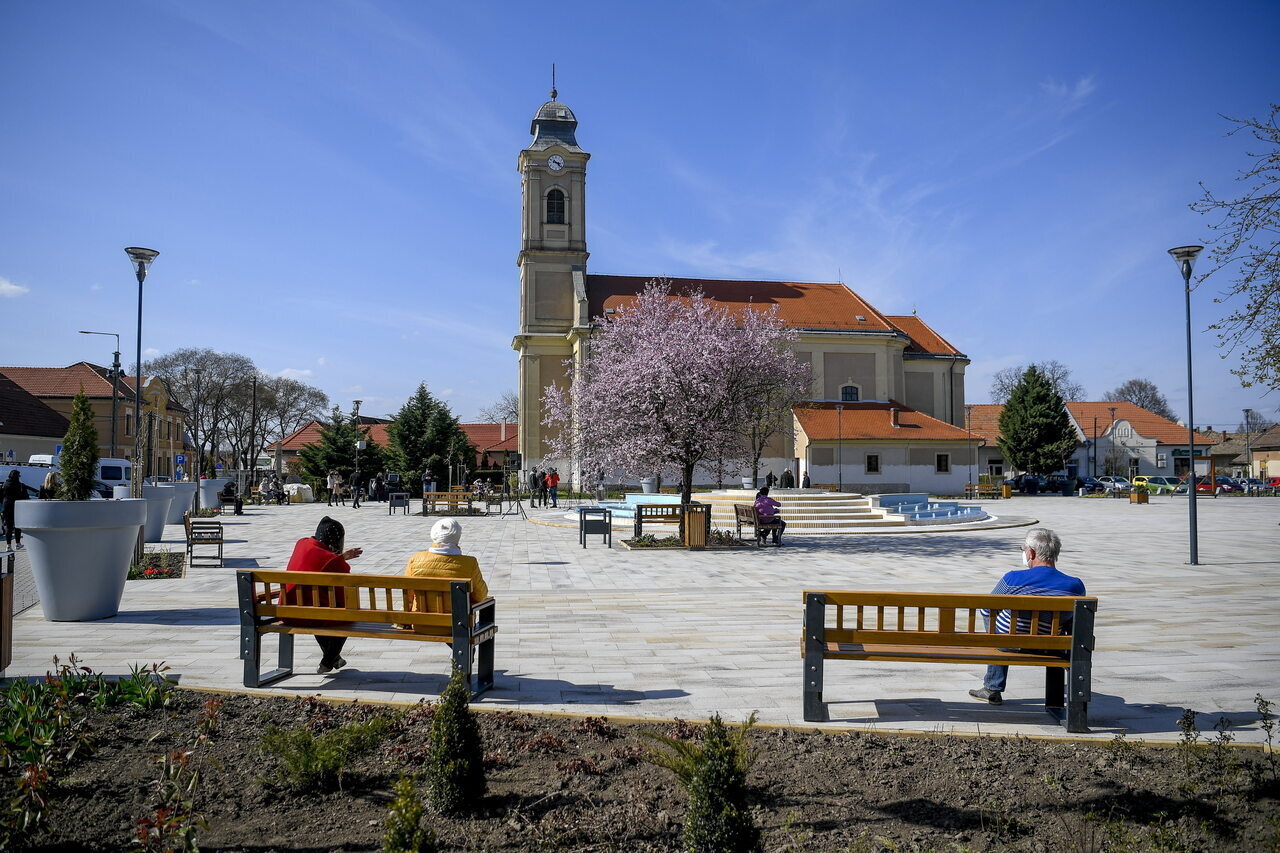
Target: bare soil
[(573, 784)]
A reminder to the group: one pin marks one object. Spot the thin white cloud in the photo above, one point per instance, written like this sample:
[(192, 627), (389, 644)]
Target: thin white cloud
[(446, 392), (354, 389), (95, 286), (320, 361), (295, 373), (151, 352), (1067, 97), (9, 290)]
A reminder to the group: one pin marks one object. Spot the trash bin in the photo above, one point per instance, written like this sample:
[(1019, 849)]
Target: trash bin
[(1006, 492), (6, 611), (697, 524), (595, 520)]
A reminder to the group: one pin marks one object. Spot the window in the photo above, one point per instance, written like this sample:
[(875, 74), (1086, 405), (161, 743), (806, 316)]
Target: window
[(128, 423), (849, 394), (1162, 460), (873, 463), (555, 208), (111, 472), (942, 463)]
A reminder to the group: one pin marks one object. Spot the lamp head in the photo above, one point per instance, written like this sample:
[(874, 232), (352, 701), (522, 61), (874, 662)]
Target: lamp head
[(141, 259), (1186, 255)]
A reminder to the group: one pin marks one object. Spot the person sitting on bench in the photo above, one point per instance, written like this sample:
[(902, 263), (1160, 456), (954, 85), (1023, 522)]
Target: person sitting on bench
[(1039, 576), (767, 514), (322, 553), (444, 559), (229, 493)]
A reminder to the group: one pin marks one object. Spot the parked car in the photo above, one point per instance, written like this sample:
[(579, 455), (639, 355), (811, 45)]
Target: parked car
[(1155, 483), (1115, 484), (1250, 484), (1091, 485), (1274, 482)]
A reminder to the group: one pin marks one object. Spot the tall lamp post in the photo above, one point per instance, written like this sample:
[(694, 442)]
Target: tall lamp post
[(355, 477), (1111, 444), (1248, 444), (140, 259), (198, 469), (840, 447), (115, 387), (968, 428), (1185, 258)]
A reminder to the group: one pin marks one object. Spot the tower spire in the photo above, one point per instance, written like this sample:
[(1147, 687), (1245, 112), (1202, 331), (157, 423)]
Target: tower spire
[(553, 81)]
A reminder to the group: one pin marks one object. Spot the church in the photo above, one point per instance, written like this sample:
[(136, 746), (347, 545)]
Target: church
[(886, 411)]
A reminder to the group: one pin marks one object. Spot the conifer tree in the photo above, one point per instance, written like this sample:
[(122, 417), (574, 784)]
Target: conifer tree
[(1036, 434), (425, 436), (405, 832), (455, 755), (336, 450), (79, 459)]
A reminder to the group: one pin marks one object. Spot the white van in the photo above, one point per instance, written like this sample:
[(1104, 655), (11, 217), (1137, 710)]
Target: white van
[(111, 471)]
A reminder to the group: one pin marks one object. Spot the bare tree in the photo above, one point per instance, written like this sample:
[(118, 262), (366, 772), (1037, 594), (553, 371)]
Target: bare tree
[(1057, 373), (291, 405), (1144, 393), (1247, 244), (505, 408)]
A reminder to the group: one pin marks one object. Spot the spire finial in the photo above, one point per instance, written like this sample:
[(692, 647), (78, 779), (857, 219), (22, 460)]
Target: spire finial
[(553, 81)]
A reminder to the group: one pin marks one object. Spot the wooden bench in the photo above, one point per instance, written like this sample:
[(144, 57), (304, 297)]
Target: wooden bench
[(202, 531), (746, 514), (655, 514), (492, 499), (373, 606), (452, 501), (918, 627), (983, 491)]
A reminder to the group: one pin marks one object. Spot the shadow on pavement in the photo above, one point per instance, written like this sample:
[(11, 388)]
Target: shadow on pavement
[(507, 688), (179, 616)]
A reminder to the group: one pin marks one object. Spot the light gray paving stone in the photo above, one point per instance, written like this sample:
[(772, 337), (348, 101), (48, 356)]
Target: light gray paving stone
[(666, 634)]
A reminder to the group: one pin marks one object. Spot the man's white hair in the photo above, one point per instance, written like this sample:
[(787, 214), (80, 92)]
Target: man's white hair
[(1045, 543)]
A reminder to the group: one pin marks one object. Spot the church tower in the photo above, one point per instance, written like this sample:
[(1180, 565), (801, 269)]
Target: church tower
[(552, 262)]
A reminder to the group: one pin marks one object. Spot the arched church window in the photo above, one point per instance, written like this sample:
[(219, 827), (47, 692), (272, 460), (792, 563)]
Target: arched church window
[(849, 394), (555, 207)]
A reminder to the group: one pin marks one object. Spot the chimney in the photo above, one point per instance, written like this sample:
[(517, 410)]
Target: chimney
[(504, 429), (893, 417)]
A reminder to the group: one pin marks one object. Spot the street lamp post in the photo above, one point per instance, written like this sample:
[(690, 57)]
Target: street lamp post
[(195, 435), (355, 477), (115, 387), (1093, 472), (141, 260), (840, 447), (1248, 448), (968, 428), (1111, 444), (1185, 258)]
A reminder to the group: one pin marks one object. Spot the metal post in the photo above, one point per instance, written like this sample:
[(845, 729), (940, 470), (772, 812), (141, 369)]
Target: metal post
[(968, 428), (1248, 448), (195, 437), (840, 447), (1191, 427), (136, 484)]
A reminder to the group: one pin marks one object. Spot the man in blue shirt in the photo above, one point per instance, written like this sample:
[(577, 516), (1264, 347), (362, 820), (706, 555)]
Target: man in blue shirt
[(1040, 577)]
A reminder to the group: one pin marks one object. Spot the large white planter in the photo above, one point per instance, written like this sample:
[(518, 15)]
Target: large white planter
[(748, 482), (158, 499), (649, 485), (209, 491), (184, 495), (80, 552)]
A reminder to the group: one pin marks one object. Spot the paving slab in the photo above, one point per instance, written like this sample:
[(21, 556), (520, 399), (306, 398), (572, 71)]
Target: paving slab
[(677, 633)]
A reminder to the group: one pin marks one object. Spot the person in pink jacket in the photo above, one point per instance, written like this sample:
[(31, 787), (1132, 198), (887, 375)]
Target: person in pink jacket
[(767, 513)]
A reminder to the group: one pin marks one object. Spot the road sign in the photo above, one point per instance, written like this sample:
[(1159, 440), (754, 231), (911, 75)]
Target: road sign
[(58, 451), (179, 459), (218, 467)]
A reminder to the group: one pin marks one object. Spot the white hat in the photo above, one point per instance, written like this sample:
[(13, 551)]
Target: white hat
[(446, 531)]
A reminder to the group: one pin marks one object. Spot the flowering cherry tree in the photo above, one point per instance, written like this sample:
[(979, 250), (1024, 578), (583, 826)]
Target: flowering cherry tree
[(669, 382)]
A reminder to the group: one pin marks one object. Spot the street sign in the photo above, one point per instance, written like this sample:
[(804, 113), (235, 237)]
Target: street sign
[(218, 467), (58, 451), (179, 459)]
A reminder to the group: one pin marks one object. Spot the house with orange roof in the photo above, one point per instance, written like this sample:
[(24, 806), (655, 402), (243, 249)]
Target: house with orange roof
[(162, 419), (856, 354), (494, 443), (1265, 452), (27, 425), (288, 447)]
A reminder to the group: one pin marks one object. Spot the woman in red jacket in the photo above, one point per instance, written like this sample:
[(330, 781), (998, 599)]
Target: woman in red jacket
[(323, 553)]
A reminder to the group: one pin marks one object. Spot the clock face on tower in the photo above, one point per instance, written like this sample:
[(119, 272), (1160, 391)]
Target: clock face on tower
[(555, 162)]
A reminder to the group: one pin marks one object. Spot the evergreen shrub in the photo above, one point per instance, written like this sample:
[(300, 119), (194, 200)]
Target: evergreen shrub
[(455, 756), (405, 832), (79, 459)]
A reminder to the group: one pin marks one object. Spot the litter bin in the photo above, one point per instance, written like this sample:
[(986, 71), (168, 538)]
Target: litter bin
[(696, 523), (1006, 492), (6, 611), (595, 520)]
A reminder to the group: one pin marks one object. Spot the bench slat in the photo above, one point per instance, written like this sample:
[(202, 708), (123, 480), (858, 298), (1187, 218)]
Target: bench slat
[(935, 638), (938, 654), (373, 630), (951, 599), (373, 581)]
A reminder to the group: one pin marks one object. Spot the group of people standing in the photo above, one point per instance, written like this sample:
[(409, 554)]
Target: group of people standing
[(376, 489), (544, 485), (786, 481)]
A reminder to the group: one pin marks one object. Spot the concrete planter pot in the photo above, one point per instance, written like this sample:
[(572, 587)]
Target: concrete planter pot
[(80, 552), (158, 499), (209, 491), (748, 482), (649, 485), (184, 495)]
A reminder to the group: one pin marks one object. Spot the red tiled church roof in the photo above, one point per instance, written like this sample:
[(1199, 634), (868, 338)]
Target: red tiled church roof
[(802, 305), (923, 338), (488, 437), (984, 421), (66, 381), (873, 420)]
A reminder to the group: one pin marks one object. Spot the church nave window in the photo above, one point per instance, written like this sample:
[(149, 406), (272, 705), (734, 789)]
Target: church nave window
[(555, 208), (849, 394)]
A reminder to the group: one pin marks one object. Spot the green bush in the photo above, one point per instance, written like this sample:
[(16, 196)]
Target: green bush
[(714, 773), (405, 832), (455, 756), (311, 762), (79, 459)]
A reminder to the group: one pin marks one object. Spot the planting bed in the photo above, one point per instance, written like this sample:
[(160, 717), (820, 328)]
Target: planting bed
[(561, 783)]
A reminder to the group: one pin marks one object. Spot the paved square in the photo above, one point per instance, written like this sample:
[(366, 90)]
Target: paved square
[(663, 634)]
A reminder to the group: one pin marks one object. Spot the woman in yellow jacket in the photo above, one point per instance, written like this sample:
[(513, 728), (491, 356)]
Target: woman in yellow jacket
[(445, 560)]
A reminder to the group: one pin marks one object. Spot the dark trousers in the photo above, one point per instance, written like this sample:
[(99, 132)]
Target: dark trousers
[(330, 649)]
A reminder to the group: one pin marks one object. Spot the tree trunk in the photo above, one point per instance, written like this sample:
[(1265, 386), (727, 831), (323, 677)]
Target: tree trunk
[(686, 487)]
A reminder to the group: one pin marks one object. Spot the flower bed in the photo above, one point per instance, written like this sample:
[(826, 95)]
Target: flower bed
[(159, 565)]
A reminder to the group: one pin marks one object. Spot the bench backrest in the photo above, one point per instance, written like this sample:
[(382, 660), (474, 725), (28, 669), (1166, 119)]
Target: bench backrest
[(336, 597), (658, 512), (947, 619), (746, 513)]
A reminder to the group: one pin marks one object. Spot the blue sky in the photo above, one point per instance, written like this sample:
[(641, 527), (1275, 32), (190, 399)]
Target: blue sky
[(332, 185)]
